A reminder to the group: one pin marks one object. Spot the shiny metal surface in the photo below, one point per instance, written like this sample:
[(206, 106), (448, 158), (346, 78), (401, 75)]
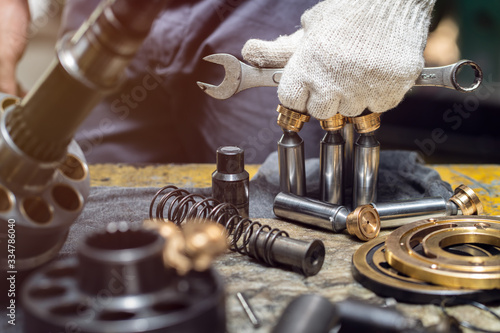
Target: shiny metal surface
[(311, 212), (331, 167), (363, 222), (291, 163), (349, 136), (398, 213), (240, 76), (366, 163), (446, 76), (44, 181), (419, 250)]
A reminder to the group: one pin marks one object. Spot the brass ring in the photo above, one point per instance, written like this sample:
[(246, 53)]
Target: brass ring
[(412, 250)]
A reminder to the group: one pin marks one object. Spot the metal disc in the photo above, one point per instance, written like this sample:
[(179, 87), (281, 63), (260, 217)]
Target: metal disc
[(418, 250), (373, 272)]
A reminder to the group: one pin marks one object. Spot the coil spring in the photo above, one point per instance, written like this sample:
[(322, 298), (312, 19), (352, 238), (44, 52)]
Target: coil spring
[(178, 205)]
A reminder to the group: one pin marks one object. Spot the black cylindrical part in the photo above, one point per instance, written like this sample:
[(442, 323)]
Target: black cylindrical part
[(122, 252), (305, 257), (230, 181)]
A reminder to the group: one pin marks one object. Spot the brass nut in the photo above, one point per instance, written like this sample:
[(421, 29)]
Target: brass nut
[(364, 223), (366, 124), (334, 123), (291, 120), (467, 200)]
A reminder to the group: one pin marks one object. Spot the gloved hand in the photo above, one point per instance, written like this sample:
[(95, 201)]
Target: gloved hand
[(14, 23), (349, 55)]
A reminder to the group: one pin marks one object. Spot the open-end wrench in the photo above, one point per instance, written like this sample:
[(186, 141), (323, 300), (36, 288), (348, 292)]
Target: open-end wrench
[(240, 76)]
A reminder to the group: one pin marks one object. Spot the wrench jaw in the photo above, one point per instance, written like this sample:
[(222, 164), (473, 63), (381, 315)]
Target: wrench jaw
[(229, 86)]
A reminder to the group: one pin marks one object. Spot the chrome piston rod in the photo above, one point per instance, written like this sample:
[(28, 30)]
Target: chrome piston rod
[(397, 213)]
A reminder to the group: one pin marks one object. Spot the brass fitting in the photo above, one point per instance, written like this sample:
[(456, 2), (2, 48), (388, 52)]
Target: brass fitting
[(363, 222), (291, 120), (334, 123), (467, 200), (367, 123)]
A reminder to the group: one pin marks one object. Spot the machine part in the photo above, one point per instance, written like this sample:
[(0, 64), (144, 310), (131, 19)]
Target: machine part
[(366, 123), (39, 211), (366, 159), (193, 247), (446, 76), (419, 250), (307, 313), (364, 222), (44, 180), (467, 201), (366, 163), (290, 120), (349, 138), (316, 314), (397, 213), (291, 161), (248, 310), (240, 76), (331, 160), (268, 245), (230, 180), (291, 158), (118, 283), (370, 268)]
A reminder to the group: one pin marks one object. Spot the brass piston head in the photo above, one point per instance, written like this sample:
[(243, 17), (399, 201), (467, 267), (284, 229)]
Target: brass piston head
[(366, 124), (363, 222), (467, 200), (291, 120), (334, 123)]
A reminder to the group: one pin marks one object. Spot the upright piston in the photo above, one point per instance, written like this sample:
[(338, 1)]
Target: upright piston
[(348, 165), (363, 222), (397, 213), (331, 160), (366, 159), (291, 151)]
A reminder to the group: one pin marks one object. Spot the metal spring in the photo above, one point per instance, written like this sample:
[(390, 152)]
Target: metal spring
[(178, 205)]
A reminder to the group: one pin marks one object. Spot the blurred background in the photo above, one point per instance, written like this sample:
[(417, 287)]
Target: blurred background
[(445, 126)]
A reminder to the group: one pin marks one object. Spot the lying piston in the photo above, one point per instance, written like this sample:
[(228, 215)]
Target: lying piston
[(291, 151), (331, 159), (397, 213), (366, 159), (363, 222)]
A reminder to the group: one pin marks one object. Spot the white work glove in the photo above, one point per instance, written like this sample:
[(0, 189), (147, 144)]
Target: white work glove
[(349, 55)]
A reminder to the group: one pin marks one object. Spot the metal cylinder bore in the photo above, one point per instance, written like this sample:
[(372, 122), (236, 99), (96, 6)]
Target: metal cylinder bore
[(119, 283), (291, 163), (366, 163), (230, 180), (331, 167)]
